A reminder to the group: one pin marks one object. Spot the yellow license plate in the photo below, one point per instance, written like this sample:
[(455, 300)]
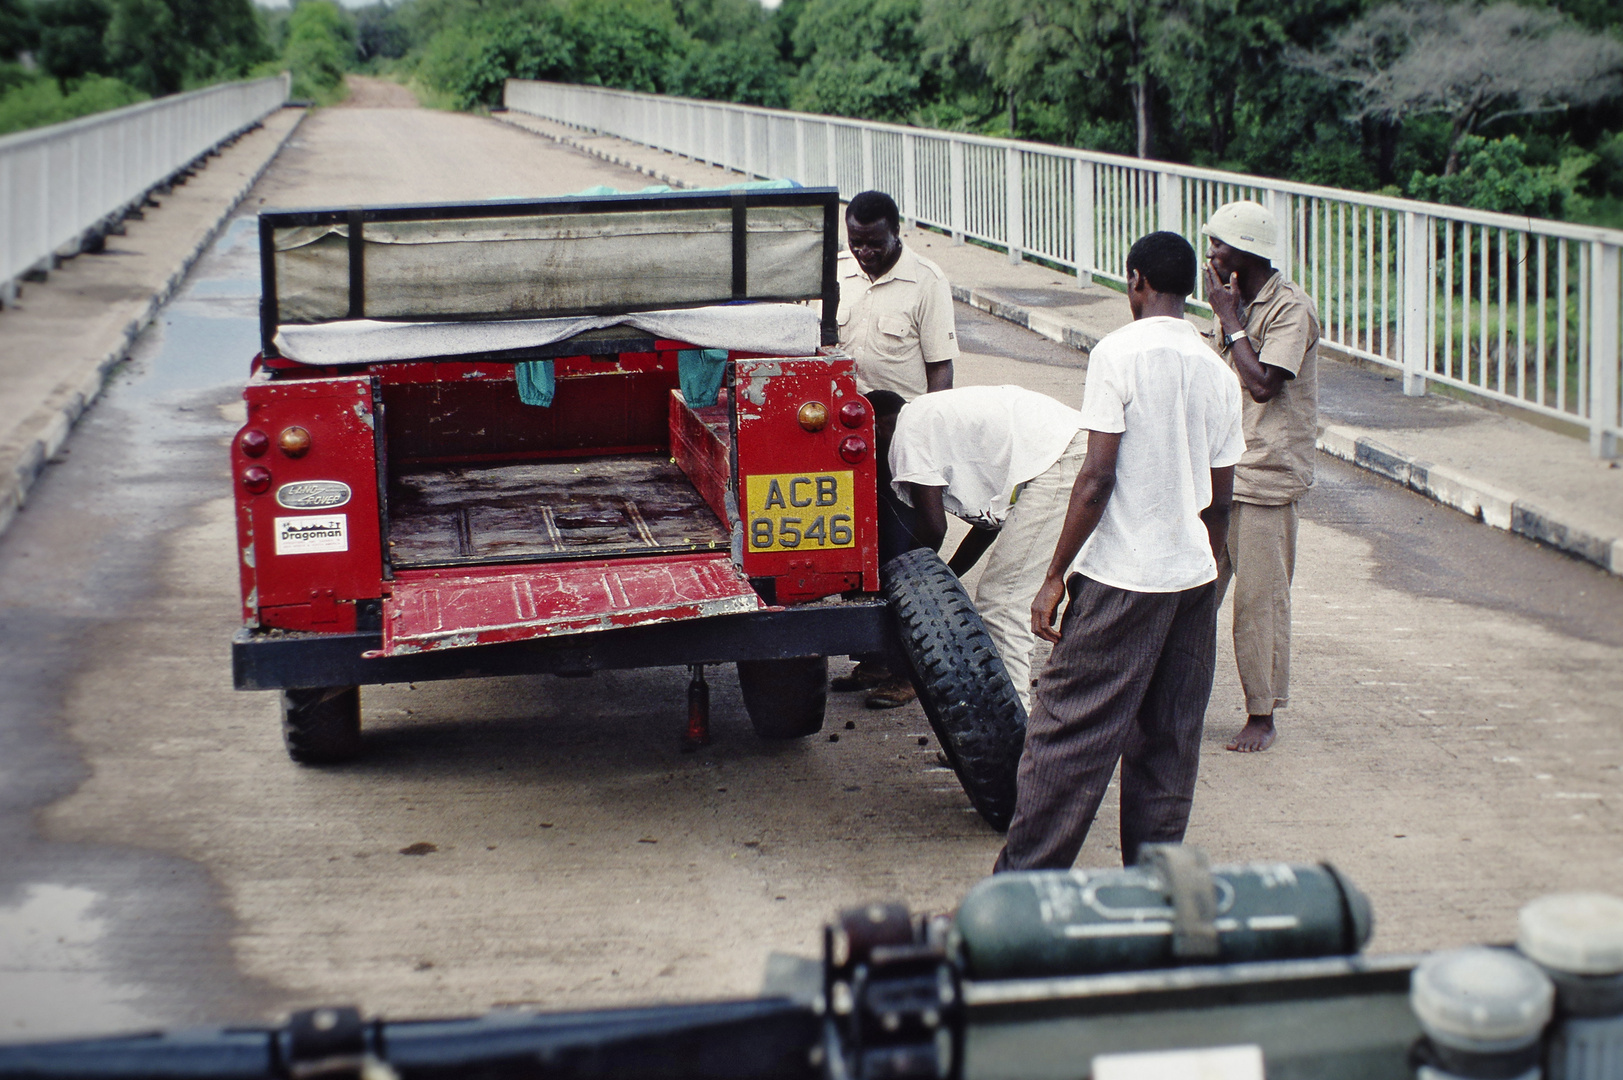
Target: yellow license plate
[(796, 511)]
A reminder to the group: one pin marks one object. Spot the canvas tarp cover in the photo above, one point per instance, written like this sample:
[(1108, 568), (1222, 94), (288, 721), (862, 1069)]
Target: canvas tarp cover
[(567, 263), (771, 329)]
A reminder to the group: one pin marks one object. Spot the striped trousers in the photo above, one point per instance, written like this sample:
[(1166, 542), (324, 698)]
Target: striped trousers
[(1129, 681)]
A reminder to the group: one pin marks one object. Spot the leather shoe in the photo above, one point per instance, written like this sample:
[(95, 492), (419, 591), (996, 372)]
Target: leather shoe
[(865, 676), (892, 694)]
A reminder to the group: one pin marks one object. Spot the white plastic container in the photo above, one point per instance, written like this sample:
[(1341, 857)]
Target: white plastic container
[(1577, 938), (1483, 1011)]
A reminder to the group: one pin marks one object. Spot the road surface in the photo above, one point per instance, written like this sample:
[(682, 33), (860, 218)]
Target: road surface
[(1452, 743)]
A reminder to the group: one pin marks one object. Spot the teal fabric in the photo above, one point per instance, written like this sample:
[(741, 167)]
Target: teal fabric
[(535, 382), (701, 372)]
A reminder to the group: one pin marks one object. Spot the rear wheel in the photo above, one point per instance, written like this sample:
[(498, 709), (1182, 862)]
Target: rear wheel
[(960, 678), (785, 699), (322, 726)]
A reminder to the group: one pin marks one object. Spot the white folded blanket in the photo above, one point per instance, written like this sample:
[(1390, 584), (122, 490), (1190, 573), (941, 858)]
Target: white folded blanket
[(773, 329)]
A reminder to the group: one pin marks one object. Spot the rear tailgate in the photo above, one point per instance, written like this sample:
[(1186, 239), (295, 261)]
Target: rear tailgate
[(456, 608)]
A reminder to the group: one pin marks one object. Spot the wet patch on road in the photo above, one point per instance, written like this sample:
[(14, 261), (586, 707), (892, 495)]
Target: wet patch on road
[(1432, 550)]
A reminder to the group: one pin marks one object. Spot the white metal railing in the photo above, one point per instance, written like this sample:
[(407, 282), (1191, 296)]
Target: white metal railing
[(59, 182), (1515, 309)]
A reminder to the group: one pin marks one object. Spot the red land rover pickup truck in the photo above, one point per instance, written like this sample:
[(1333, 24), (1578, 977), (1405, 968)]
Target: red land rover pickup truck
[(564, 435)]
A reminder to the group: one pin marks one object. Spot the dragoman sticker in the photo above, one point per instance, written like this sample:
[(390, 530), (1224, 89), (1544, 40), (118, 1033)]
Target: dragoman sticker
[(308, 535)]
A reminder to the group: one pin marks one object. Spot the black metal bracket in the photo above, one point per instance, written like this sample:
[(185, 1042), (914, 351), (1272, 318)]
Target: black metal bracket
[(893, 1000)]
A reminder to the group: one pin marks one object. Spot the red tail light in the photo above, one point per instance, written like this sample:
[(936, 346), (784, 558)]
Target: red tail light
[(257, 479), (854, 412), (254, 442), (853, 449)]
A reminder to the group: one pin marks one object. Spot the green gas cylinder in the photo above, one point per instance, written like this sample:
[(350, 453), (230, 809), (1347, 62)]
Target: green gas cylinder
[(1171, 909)]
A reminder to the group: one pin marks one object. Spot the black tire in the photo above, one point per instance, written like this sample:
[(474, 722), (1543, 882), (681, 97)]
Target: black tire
[(785, 699), (322, 726), (961, 681)]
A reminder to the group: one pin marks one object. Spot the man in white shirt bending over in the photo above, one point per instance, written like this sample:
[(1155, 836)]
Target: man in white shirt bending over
[(1003, 458), (1131, 671)]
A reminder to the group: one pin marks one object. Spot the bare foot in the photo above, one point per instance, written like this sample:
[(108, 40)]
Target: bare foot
[(1255, 737)]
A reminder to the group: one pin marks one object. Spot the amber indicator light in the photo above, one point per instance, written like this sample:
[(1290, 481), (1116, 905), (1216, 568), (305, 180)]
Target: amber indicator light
[(813, 416), (257, 479), (294, 441), (853, 413), (854, 449), (254, 442)]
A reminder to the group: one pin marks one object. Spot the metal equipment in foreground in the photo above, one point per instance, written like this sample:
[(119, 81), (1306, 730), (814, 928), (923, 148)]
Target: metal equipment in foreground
[(1169, 969)]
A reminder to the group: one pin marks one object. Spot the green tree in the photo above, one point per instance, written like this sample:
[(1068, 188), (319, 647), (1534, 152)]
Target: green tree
[(1496, 176), (627, 44), (161, 46), (380, 33), (19, 29), (222, 39), (142, 43), (734, 53), (860, 58), (1474, 65), (72, 39), (320, 47), (471, 58)]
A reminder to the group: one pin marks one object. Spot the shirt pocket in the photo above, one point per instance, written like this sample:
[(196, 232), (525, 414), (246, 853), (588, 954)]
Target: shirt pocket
[(896, 336)]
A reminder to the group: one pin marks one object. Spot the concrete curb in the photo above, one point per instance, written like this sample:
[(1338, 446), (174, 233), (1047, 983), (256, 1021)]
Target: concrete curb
[(612, 159), (1489, 504), (1038, 322), (55, 422)]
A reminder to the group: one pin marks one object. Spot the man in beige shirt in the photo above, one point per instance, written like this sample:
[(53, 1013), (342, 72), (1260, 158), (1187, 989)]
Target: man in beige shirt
[(895, 311), (1268, 331), (896, 322)]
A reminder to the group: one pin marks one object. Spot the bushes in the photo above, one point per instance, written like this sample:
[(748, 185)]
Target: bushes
[(39, 101), (93, 55), (1496, 176), (320, 48), (628, 44)]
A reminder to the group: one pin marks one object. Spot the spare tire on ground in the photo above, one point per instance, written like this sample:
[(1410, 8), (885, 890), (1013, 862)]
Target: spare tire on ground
[(961, 681)]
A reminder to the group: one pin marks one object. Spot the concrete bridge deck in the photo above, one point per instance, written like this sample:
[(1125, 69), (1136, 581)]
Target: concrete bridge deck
[(1452, 742)]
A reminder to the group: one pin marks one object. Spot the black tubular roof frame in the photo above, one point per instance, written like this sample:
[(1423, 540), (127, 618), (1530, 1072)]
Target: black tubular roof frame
[(738, 201)]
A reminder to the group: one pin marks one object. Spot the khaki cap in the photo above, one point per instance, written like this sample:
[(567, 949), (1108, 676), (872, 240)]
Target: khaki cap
[(1244, 226)]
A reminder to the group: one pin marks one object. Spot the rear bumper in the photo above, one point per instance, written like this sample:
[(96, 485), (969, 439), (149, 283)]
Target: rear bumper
[(272, 661)]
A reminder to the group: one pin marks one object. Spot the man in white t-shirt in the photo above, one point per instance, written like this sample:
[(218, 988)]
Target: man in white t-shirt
[(1131, 671), (1002, 458)]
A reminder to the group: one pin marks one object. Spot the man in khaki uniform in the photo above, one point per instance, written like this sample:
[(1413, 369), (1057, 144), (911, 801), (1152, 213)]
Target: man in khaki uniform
[(1268, 331), (895, 312), (896, 322)]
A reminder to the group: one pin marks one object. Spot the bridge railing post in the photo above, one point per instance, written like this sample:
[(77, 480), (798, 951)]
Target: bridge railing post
[(1169, 202), (1415, 333), (910, 180), (1280, 203), (955, 189), (1082, 186), (1605, 357), (867, 182), (1014, 205)]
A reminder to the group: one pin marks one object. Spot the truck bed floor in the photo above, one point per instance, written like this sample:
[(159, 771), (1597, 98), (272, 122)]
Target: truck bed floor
[(540, 511)]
